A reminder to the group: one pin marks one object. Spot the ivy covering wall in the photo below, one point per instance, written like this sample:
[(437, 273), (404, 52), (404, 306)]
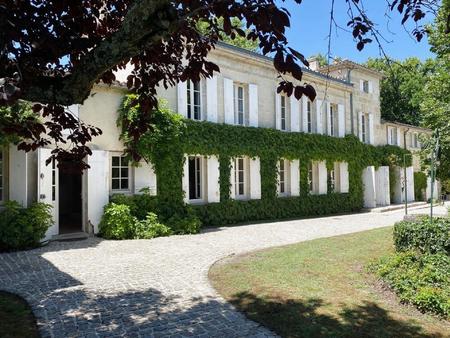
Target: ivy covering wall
[(172, 137)]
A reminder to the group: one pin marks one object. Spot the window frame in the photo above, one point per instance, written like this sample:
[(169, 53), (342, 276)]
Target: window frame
[(120, 167), (332, 180), (309, 116), (363, 128), (237, 100), (366, 86), (237, 183), (332, 118), (283, 113), (198, 178), (191, 92)]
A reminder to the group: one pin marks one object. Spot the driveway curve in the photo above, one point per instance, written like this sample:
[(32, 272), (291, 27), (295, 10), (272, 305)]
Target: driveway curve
[(153, 288)]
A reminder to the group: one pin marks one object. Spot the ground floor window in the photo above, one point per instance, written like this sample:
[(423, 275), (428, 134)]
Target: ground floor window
[(240, 178), (283, 177), (332, 180), (310, 178), (195, 177), (120, 173)]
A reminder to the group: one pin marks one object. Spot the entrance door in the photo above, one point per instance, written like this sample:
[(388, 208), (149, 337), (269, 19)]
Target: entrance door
[(70, 200)]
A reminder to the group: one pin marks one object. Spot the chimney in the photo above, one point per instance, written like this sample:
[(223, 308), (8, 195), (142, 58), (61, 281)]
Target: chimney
[(314, 64)]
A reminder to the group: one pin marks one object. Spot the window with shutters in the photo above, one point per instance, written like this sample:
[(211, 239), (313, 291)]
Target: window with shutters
[(333, 120), (120, 174), (309, 116), (194, 100), (283, 178), (392, 136), (363, 128), (239, 104), (366, 86), (195, 167), (241, 170)]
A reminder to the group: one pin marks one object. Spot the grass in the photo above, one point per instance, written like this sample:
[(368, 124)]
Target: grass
[(16, 318), (321, 288)]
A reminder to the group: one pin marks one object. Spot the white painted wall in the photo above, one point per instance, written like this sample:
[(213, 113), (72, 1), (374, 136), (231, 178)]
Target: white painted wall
[(368, 178), (144, 177)]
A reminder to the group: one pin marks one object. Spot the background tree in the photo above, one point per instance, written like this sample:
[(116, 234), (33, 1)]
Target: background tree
[(238, 40), (436, 104), (402, 89), (53, 53)]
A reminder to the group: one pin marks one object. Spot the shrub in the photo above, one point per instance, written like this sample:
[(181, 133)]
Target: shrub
[(150, 228), (139, 205), (420, 184), (23, 228), (117, 222), (419, 279), (424, 235), (183, 224)]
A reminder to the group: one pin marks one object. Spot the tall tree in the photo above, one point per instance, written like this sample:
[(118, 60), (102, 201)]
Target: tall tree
[(53, 52), (402, 89), (436, 104)]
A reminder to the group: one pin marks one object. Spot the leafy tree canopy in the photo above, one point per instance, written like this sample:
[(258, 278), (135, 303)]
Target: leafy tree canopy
[(53, 52), (402, 89)]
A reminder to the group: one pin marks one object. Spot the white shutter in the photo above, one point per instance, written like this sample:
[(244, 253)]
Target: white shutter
[(144, 177), (344, 183), (304, 114), (399, 137), (182, 98), (228, 101), (232, 179), (44, 185), (277, 111), (360, 121), (319, 117), (255, 179), (212, 165), (253, 105), (382, 186), (371, 130), (341, 120), (98, 176), (211, 99), (410, 183), (295, 114), (185, 179), (295, 177), (370, 87), (18, 175), (329, 119), (361, 85), (323, 177), (368, 177)]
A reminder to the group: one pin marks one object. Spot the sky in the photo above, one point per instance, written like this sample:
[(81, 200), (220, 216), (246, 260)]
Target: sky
[(310, 26)]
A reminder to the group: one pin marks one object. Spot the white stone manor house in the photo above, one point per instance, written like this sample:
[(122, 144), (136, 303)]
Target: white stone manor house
[(243, 93)]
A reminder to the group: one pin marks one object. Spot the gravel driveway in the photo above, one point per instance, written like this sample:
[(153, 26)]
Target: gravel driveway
[(153, 288)]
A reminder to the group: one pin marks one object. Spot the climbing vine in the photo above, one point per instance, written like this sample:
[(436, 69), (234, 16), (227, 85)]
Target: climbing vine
[(171, 137)]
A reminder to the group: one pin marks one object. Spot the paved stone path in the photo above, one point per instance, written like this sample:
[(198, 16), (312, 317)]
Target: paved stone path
[(153, 288)]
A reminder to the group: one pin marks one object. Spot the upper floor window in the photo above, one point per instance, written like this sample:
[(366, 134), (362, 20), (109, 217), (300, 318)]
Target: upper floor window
[(1, 176), (392, 136), (332, 131), (415, 140), (194, 100), (283, 112), (365, 86), (239, 104), (309, 116), (120, 173), (195, 177)]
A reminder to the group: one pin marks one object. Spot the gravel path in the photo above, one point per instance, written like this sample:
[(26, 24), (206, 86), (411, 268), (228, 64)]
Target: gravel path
[(153, 288)]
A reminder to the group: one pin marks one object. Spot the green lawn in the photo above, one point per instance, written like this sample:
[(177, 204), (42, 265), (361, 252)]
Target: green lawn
[(16, 318), (321, 288)]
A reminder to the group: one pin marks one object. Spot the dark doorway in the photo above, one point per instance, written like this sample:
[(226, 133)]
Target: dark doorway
[(70, 201)]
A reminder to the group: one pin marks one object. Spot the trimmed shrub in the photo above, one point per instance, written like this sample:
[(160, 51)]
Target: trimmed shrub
[(117, 222), (419, 279), (424, 235), (23, 228), (150, 228)]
